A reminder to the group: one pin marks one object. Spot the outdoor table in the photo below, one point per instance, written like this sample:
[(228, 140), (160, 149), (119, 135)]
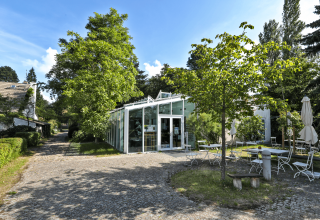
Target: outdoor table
[(271, 150), (212, 146), (248, 143)]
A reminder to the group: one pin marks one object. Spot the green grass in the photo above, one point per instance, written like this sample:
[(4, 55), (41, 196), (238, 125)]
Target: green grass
[(206, 185), (99, 149), (10, 174)]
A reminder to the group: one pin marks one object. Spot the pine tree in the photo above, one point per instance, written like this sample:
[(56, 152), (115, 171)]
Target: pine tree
[(31, 77), (292, 27), (312, 40), (271, 32), (7, 74)]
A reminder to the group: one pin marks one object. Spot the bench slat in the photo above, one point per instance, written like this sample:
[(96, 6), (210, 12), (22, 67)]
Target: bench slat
[(244, 175)]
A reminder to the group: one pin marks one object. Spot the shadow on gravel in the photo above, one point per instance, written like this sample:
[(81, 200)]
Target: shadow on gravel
[(123, 193)]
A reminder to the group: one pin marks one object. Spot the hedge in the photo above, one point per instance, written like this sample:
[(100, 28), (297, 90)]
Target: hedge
[(11, 148), (10, 132), (32, 138)]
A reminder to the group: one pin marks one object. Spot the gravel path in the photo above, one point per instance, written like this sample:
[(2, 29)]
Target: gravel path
[(56, 186)]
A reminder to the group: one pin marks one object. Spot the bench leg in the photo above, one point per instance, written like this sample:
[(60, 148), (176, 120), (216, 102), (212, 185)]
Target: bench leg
[(255, 182), (237, 183)]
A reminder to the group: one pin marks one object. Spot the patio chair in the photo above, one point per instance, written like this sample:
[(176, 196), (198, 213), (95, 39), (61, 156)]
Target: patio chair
[(300, 147), (237, 155), (284, 161), (252, 156), (304, 167), (190, 155), (274, 143), (217, 157), (203, 150), (257, 164)]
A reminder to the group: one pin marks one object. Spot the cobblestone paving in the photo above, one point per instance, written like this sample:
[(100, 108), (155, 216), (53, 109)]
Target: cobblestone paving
[(56, 186)]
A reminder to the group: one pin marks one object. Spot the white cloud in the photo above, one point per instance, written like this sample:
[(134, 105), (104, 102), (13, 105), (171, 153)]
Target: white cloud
[(307, 8), (153, 70), (46, 97), (46, 64)]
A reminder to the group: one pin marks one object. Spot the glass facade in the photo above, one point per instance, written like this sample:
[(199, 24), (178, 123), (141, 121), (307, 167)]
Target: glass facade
[(188, 108), (150, 128), (135, 131)]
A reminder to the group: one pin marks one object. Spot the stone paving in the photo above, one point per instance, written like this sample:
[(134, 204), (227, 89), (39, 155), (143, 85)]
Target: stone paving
[(56, 186)]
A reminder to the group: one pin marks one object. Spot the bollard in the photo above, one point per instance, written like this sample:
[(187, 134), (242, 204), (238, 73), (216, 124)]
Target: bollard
[(266, 157)]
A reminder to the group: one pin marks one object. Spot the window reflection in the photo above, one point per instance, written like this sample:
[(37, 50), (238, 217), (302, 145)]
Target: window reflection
[(150, 128), (135, 130)]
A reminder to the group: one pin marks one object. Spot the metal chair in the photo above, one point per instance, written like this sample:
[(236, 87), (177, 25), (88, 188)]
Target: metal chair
[(236, 155), (274, 143), (217, 157), (300, 147), (304, 167), (252, 156), (257, 164), (284, 161), (190, 155)]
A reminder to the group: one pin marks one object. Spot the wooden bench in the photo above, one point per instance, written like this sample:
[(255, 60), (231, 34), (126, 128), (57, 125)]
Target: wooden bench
[(254, 179)]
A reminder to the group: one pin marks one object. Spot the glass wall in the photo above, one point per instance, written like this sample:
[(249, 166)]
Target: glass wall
[(150, 128), (188, 108), (177, 108), (118, 130), (121, 129), (165, 109), (135, 131)]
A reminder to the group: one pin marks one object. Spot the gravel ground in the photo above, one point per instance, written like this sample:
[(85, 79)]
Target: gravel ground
[(56, 186)]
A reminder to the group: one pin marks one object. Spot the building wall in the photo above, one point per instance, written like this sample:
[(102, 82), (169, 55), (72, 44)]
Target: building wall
[(265, 114), (32, 109)]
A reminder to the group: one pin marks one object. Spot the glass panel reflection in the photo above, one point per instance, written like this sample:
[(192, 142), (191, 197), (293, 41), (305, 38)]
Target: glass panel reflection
[(176, 128), (135, 130), (177, 108), (188, 109), (150, 128), (165, 133), (165, 109)]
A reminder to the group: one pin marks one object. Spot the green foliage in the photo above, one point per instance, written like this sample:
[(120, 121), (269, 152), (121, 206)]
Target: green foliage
[(296, 121), (73, 128), (7, 106), (31, 77), (27, 100), (7, 74), (251, 129), (32, 138), (10, 132), (55, 125), (11, 148), (81, 136), (204, 127)]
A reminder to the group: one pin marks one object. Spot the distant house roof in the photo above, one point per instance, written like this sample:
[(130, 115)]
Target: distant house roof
[(13, 90)]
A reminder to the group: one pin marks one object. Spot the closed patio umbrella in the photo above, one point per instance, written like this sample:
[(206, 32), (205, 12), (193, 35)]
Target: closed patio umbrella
[(308, 133), (233, 128)]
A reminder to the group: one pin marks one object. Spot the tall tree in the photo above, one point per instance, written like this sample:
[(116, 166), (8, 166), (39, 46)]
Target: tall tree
[(31, 76), (292, 27), (106, 72), (312, 40), (271, 32), (228, 73), (7, 74)]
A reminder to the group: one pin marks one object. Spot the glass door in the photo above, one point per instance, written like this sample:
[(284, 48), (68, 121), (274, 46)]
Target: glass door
[(170, 135)]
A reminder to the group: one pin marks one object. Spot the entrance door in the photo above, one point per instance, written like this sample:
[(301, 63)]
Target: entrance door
[(170, 133)]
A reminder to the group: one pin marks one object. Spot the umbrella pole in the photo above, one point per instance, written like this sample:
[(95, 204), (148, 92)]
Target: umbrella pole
[(282, 138), (294, 140)]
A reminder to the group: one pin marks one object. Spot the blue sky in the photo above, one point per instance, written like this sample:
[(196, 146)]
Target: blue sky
[(162, 31)]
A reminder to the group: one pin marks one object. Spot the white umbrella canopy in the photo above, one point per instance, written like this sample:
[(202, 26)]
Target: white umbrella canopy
[(307, 133), (233, 127)]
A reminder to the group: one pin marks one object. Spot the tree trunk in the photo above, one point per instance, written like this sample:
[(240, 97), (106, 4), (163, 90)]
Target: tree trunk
[(96, 140), (282, 138), (223, 161), (294, 140)]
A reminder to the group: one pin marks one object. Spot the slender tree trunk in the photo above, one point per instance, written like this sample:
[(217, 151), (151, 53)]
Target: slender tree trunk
[(294, 139), (96, 140), (223, 161), (282, 138)]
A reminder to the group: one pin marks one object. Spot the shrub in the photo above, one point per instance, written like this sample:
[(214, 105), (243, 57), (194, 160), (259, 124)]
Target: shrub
[(81, 136), (32, 138), (73, 128), (55, 125), (11, 148), (10, 132)]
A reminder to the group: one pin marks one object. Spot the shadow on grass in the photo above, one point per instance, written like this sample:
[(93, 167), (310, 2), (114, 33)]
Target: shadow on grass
[(91, 148)]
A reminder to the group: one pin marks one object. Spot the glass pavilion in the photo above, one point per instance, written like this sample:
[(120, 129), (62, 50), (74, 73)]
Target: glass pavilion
[(151, 125)]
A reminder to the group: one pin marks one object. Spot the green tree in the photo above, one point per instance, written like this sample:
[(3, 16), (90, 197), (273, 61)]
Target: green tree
[(204, 127), (106, 74), (31, 76), (8, 108), (228, 73), (312, 40), (7, 74), (271, 32), (251, 129), (292, 27)]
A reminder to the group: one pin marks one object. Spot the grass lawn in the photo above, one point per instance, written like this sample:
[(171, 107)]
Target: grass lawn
[(205, 185), (10, 174), (99, 149)]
